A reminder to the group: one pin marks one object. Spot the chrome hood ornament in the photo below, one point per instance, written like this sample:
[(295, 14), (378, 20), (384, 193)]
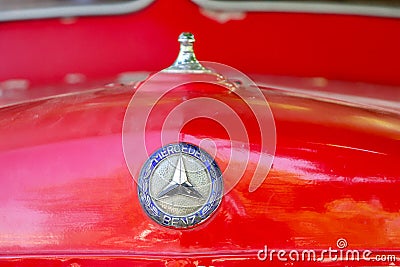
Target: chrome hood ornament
[(186, 61), (180, 185)]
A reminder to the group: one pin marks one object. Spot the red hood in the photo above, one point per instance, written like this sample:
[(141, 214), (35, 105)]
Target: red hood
[(65, 188)]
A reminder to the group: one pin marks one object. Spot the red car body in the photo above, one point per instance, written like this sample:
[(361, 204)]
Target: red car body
[(331, 81)]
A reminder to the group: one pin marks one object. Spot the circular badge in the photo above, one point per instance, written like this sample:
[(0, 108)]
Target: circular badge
[(180, 185)]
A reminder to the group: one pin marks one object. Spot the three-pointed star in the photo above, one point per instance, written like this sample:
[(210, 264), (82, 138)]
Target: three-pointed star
[(179, 184)]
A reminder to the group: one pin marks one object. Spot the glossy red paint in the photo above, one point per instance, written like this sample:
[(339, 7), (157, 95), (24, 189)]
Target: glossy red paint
[(68, 199), (66, 190), (341, 47)]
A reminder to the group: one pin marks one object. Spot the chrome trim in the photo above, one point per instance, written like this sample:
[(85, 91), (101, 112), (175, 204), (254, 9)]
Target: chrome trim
[(186, 62), (73, 11), (296, 7)]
